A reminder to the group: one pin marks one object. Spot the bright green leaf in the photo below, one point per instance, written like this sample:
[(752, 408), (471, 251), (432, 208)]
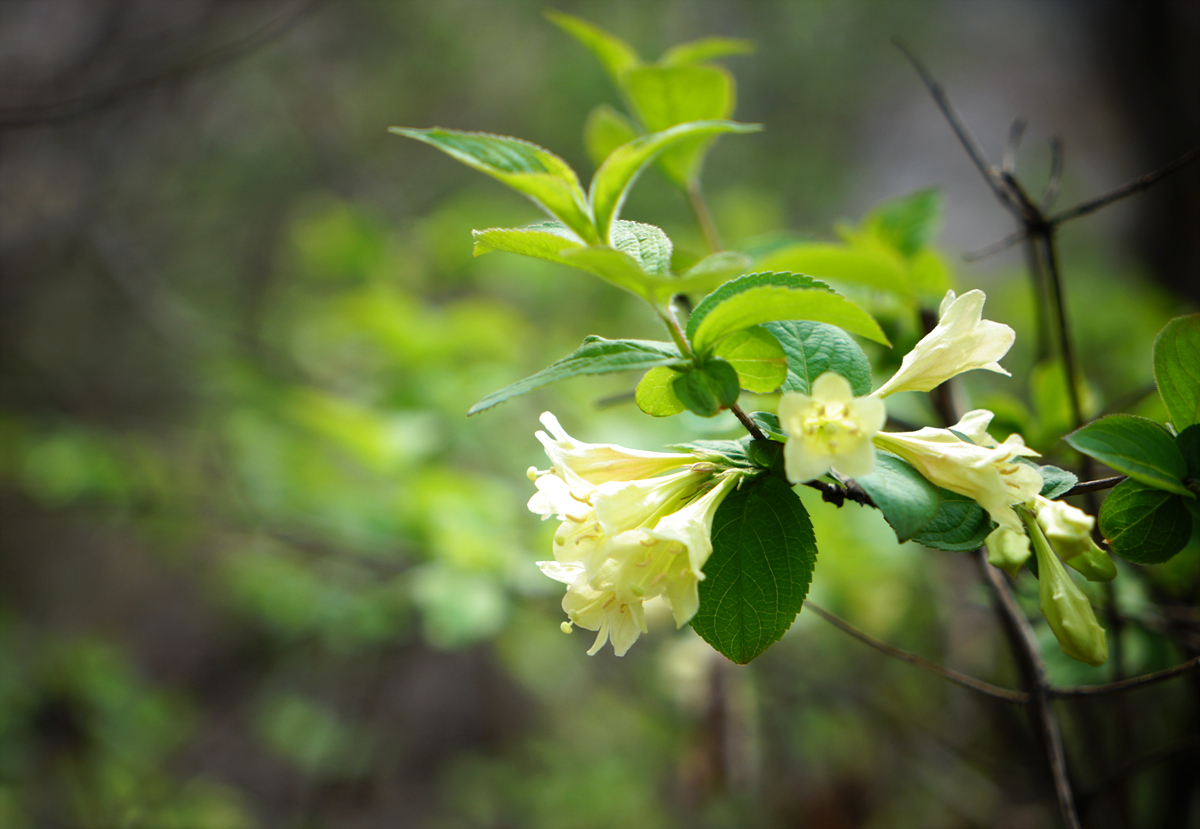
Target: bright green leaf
[(647, 244), (906, 499), (1144, 524), (929, 274), (862, 266), (758, 298), (1140, 448), (621, 168), (656, 395), (814, 348), (527, 168), (705, 49), (906, 224), (757, 357), (1177, 369), (706, 390), (758, 574), (544, 241), (711, 271), (604, 130), (614, 266), (595, 356), (614, 54)]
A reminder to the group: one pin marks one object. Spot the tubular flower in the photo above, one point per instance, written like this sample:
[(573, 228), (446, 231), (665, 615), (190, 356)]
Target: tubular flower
[(1069, 530), (1067, 610), (989, 475), (962, 341), (624, 540), (1007, 549), (831, 429)]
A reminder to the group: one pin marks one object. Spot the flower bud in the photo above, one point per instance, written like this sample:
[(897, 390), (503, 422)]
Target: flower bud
[(1007, 549), (1070, 532)]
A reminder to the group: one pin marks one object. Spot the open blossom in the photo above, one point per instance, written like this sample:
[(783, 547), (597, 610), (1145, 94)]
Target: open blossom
[(629, 533), (829, 429), (962, 341), (990, 475)]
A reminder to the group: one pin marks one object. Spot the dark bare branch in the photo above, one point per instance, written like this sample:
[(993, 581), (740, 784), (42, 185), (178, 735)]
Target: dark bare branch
[(1127, 684), (1092, 486), (1136, 186), (1004, 244), (1054, 183)]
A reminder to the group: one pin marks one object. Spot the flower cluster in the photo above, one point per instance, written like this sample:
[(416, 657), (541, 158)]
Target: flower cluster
[(635, 525)]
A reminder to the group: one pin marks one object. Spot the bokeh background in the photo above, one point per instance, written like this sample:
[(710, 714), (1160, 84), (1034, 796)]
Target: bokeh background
[(259, 569)]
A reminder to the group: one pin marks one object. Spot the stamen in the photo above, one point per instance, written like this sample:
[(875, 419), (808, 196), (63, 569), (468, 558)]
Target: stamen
[(565, 627)]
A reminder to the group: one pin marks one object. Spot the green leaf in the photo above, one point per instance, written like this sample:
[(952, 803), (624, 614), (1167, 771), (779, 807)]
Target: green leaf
[(814, 348), (656, 394), (706, 390), (663, 96), (1188, 442), (928, 274), (614, 54), (906, 224), (725, 452), (907, 500), (1177, 370), (647, 244), (595, 356), (613, 266), (604, 130), (769, 423), (863, 266), (767, 297), (960, 524), (1055, 481), (1141, 448), (544, 241), (711, 271), (527, 168), (1144, 524), (758, 574), (757, 358), (705, 49), (616, 175)]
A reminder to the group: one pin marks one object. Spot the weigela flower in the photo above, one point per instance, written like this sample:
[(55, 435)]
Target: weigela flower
[(990, 475), (831, 429), (1069, 531), (625, 538), (962, 341)]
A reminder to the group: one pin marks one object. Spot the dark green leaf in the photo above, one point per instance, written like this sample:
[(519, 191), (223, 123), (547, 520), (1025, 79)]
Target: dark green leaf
[(707, 389), (1055, 481), (1140, 448), (813, 348), (960, 524), (1188, 442), (727, 452), (1177, 369), (595, 356), (906, 499), (906, 224), (1144, 524), (769, 423), (758, 574)]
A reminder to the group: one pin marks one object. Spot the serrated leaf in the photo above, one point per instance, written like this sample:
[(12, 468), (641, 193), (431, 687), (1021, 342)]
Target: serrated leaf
[(1177, 369), (613, 266), (705, 49), (604, 130), (960, 524), (621, 168), (906, 224), (875, 268), (725, 452), (1055, 481), (655, 394), (647, 244), (614, 54), (768, 297), (1141, 448), (758, 574), (595, 356), (813, 348), (545, 241), (527, 168), (706, 390), (1144, 524), (757, 357), (907, 500), (663, 96)]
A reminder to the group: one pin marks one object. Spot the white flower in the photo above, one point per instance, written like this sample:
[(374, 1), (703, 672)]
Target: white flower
[(962, 341), (577, 462), (989, 475), (831, 429)]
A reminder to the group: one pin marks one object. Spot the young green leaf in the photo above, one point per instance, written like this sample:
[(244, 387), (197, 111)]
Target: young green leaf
[(711, 271), (527, 168), (614, 266), (595, 356), (706, 390), (906, 499), (604, 130), (544, 241), (655, 393), (705, 49), (724, 452), (1177, 369), (875, 268), (928, 274), (758, 574), (1140, 448), (906, 224), (960, 525), (757, 357), (614, 54), (647, 244), (767, 297), (814, 348), (621, 168), (1144, 524)]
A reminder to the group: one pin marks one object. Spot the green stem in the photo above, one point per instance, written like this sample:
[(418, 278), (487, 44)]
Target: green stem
[(703, 217)]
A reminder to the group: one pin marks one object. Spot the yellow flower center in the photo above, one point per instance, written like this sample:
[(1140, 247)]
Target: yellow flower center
[(827, 421)]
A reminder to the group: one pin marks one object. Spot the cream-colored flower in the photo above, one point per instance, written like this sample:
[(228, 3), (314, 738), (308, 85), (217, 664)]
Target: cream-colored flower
[(831, 429), (577, 462), (962, 341), (593, 604), (990, 476), (1069, 531)]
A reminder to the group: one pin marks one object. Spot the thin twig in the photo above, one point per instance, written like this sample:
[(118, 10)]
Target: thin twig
[(995, 247), (1092, 486), (994, 691), (1136, 186), (1126, 684), (1054, 182), (1015, 133), (1045, 241), (750, 425), (703, 217)]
